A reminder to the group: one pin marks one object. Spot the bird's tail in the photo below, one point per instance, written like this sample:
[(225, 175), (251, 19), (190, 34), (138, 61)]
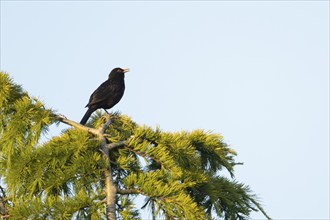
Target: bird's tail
[(86, 116)]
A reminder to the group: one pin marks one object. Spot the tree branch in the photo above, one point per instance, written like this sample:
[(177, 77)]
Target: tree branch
[(64, 120), (115, 145), (3, 209), (128, 191), (145, 155), (110, 187), (120, 143), (110, 191), (3, 192), (106, 124)]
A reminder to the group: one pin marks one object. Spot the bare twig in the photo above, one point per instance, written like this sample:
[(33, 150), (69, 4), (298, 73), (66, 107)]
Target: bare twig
[(3, 209), (128, 191), (145, 155), (64, 120), (106, 124), (119, 144), (3, 192), (115, 145)]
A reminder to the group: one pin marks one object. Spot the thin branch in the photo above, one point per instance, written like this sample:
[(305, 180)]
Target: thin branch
[(3, 192), (105, 125), (145, 155), (3, 209), (119, 144), (128, 191), (115, 145), (64, 120)]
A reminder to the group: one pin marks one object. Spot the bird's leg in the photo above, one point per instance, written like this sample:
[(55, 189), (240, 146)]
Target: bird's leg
[(106, 111), (108, 119)]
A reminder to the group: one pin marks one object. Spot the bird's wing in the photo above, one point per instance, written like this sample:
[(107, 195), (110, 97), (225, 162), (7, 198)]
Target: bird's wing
[(99, 94), (102, 93)]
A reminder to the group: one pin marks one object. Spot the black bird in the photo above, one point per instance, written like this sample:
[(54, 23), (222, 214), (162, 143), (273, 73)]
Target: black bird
[(108, 94)]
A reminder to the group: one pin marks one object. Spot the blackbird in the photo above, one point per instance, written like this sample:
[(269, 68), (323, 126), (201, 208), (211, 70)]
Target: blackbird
[(108, 94)]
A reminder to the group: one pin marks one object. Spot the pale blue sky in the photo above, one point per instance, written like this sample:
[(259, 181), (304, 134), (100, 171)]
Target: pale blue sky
[(255, 71)]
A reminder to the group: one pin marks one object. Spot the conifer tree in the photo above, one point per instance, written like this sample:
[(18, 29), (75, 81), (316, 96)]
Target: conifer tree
[(96, 171)]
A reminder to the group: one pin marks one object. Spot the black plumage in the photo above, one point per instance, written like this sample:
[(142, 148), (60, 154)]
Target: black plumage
[(108, 94)]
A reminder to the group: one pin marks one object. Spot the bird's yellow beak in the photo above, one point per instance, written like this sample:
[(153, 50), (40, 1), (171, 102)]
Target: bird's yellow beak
[(126, 70)]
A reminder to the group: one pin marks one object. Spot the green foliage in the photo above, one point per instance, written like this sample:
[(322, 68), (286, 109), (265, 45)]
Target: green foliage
[(22, 120), (127, 209), (63, 178)]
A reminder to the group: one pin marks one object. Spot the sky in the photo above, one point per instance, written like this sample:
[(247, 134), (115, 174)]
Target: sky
[(256, 72)]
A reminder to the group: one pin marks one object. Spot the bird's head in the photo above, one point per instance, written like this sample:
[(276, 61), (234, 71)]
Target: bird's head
[(118, 73)]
